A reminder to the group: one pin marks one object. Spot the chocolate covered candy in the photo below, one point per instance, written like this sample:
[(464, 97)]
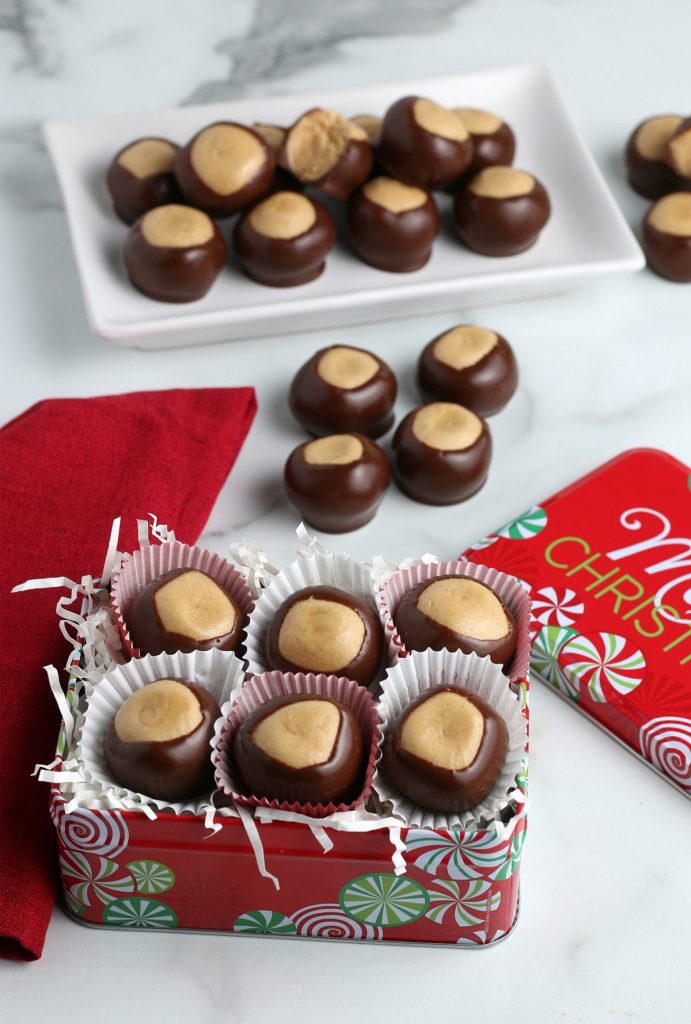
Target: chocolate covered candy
[(392, 226), (283, 240), (324, 629), (446, 751), (456, 613), (442, 453), (678, 155), (337, 482), (424, 144), (501, 211), (174, 254), (342, 389), (325, 150), (301, 749), (141, 176), (494, 143), (648, 172), (158, 743), (470, 365), (225, 167), (371, 125), (184, 610), (667, 237)]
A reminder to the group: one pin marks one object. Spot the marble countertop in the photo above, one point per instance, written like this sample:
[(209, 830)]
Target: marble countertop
[(604, 934)]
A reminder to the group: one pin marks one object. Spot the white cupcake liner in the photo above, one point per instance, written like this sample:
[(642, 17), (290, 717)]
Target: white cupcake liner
[(254, 693), (508, 589), (404, 683), (218, 672), (137, 570)]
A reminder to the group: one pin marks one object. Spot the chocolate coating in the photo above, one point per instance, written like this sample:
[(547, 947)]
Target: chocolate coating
[(172, 770), (493, 149), (368, 661), (485, 386), (668, 254), (285, 262), (419, 631), (416, 156), (678, 155), (439, 477), (397, 242), (216, 204), (349, 168), (440, 789), (500, 226), (172, 273), (324, 408), (650, 175), (132, 196), (149, 634), (336, 780), (337, 498)]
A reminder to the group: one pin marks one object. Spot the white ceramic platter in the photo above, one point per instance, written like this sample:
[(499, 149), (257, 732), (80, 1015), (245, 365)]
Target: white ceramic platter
[(586, 236)]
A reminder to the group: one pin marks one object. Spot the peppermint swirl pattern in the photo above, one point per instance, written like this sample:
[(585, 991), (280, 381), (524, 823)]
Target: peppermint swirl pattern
[(666, 743), (329, 921)]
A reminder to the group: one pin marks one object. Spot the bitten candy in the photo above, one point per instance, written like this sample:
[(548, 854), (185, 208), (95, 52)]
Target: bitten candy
[(392, 226), (501, 211), (494, 142), (459, 614), (446, 751), (301, 749), (442, 453), (470, 365), (337, 482), (184, 610), (141, 176), (424, 144), (647, 170), (158, 743), (667, 237), (327, 151), (224, 167), (342, 389), (324, 629)]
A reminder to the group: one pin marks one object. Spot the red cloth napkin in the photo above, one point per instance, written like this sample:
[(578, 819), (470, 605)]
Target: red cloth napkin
[(69, 467)]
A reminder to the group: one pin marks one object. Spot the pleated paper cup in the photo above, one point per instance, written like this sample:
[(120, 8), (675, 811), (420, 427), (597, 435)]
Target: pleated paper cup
[(408, 680), (260, 689), (507, 589), (146, 564), (220, 673)]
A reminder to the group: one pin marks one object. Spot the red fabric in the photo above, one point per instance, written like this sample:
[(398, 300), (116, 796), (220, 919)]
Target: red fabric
[(69, 467)]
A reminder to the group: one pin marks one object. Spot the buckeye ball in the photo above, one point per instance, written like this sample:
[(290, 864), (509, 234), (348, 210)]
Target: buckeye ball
[(224, 167), (174, 254), (337, 482), (158, 743), (283, 240), (473, 366), (494, 143), (424, 144), (446, 751), (343, 389), (678, 154), (442, 453), (300, 748), (392, 226), (324, 629), (141, 176), (371, 125), (501, 211), (667, 237), (457, 613), (648, 172), (325, 150)]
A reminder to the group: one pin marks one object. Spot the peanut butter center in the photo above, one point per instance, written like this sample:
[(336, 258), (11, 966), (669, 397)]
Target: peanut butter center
[(194, 605), (464, 346), (478, 122), (163, 710), (652, 137), (370, 124), (334, 450), (147, 157), (272, 135), (226, 157), (446, 730), (283, 215), (466, 607), (502, 183), (300, 734), (316, 143), (680, 150), (672, 214), (446, 426), (439, 120), (176, 227), (347, 368), (321, 636), (394, 195)]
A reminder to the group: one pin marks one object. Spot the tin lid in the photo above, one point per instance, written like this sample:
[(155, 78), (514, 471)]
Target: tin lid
[(607, 561)]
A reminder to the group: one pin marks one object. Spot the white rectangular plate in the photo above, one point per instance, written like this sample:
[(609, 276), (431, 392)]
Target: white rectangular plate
[(587, 234)]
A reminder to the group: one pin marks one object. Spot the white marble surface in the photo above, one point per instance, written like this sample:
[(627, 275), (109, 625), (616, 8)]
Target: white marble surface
[(605, 929)]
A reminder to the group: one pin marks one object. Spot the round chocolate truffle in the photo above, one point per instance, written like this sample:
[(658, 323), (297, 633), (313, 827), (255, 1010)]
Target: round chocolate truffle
[(337, 482), (470, 365), (300, 748), (456, 613), (667, 237), (501, 211), (141, 176), (224, 167), (424, 144), (678, 155), (324, 629), (284, 239), (392, 226), (447, 750), (174, 254), (647, 171), (327, 151), (494, 143), (442, 453), (184, 610), (158, 743), (342, 389)]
